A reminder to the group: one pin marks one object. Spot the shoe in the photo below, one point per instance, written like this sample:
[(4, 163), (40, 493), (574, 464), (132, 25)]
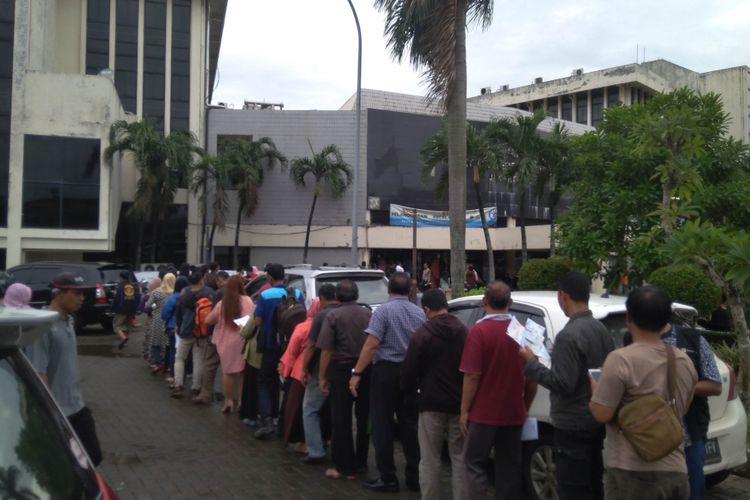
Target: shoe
[(380, 485), (176, 393), (199, 400), (228, 406), (307, 459), (266, 429), (155, 370), (249, 422), (122, 344), (195, 392)]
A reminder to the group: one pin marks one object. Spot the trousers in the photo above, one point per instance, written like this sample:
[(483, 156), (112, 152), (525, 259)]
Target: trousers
[(506, 441), (434, 428)]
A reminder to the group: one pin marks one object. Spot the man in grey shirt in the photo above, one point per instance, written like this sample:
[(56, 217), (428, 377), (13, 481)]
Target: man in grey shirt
[(55, 357), (583, 344)]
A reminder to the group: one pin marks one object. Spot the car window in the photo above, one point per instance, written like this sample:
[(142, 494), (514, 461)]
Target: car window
[(43, 275), (372, 289), (21, 276), (297, 282), (615, 323), (34, 448), (112, 275), (468, 314)]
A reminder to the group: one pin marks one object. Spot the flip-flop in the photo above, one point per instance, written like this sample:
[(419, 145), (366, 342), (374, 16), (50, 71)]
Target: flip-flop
[(334, 474), (123, 344)]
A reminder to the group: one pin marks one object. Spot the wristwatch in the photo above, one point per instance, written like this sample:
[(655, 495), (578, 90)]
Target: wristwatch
[(355, 373)]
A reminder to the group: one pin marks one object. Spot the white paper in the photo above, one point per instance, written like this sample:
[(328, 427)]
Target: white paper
[(241, 322), (533, 338), (530, 430), (515, 331)]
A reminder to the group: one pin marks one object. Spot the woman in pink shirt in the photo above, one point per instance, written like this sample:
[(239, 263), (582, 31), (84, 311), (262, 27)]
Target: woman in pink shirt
[(234, 305)]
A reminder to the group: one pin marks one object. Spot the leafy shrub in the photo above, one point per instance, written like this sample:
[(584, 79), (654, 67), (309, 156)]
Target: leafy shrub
[(474, 291), (543, 274), (688, 284)]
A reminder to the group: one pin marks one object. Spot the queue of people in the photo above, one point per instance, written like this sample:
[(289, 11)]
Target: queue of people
[(346, 368)]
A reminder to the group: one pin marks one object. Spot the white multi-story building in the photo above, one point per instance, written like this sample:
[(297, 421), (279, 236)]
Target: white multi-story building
[(583, 96), (68, 70)]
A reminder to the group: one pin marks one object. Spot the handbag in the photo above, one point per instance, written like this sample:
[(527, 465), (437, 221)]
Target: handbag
[(650, 424)]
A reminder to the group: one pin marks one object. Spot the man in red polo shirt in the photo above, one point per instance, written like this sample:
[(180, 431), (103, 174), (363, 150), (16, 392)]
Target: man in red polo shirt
[(495, 401)]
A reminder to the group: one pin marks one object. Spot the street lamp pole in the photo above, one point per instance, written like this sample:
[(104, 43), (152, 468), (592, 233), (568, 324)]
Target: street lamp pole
[(357, 140)]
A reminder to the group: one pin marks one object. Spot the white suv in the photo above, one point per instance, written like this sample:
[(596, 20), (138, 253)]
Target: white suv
[(372, 283), (725, 446)]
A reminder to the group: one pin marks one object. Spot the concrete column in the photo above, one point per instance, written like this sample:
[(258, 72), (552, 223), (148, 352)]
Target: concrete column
[(168, 72), (139, 73)]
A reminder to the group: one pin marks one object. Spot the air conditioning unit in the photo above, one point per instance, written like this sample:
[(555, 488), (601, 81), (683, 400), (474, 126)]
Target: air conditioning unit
[(485, 90), (538, 80), (577, 72), (504, 86), (373, 203)]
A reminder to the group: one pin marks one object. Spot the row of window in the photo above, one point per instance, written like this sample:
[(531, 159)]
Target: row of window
[(562, 107), (7, 22)]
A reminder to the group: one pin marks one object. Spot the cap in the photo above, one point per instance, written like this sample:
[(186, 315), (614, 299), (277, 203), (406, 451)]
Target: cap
[(65, 281)]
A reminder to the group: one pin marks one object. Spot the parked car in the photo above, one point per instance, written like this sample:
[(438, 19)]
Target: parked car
[(725, 446), (372, 283), (103, 277), (40, 455)]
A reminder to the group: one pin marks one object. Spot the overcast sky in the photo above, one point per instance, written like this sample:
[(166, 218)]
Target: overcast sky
[(303, 53)]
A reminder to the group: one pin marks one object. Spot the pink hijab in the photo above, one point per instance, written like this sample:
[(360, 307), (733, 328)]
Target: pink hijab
[(314, 308), (17, 295)]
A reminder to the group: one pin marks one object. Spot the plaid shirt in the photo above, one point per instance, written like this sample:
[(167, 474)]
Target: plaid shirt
[(393, 324)]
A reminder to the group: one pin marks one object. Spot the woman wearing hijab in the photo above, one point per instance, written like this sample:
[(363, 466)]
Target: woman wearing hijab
[(18, 295), (234, 304), (158, 340), (170, 322), (147, 333)]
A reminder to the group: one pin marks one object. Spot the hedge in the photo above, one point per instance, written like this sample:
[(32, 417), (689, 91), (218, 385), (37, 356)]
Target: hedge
[(686, 283), (543, 274)]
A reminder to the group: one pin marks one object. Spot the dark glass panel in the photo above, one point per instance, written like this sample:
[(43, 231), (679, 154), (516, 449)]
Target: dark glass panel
[(613, 96), (126, 53), (567, 108), (582, 102), (154, 54), (7, 24), (552, 107), (97, 36), (597, 106), (180, 85)]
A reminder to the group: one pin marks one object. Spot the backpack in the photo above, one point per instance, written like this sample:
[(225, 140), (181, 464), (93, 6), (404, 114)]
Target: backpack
[(203, 308), (289, 313)]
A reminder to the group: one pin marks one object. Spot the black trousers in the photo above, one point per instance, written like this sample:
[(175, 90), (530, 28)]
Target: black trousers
[(346, 458), (249, 398), (479, 442), (386, 399), (578, 464), (83, 424)]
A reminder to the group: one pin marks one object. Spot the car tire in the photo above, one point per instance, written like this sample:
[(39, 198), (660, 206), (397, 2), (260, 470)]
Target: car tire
[(715, 478), (539, 469)]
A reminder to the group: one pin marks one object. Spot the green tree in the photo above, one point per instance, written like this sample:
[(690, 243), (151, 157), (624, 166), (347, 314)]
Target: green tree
[(246, 161), (210, 181), (326, 168), (434, 34), (724, 255), (10, 489), (554, 173), (520, 155), (162, 164), (481, 159)]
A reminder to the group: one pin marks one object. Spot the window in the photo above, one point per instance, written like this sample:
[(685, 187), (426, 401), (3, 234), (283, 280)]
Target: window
[(61, 182), (582, 108), (467, 314), (372, 289), (597, 106), (7, 23), (154, 50), (126, 53), (552, 106), (567, 108), (97, 37), (613, 96), (180, 110)]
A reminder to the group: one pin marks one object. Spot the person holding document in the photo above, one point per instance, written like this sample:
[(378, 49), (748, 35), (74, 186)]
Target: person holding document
[(583, 344)]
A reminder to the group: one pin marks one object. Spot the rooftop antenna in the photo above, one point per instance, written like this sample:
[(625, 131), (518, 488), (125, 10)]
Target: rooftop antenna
[(637, 52)]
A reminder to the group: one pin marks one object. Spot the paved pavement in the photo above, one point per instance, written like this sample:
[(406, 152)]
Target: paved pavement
[(157, 447)]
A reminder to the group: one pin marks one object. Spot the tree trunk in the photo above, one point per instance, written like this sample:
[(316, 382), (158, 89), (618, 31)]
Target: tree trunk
[(666, 203), (456, 111), (522, 221), (139, 246), (154, 236), (309, 223), (210, 249), (486, 230), (552, 228), (204, 253), (236, 256)]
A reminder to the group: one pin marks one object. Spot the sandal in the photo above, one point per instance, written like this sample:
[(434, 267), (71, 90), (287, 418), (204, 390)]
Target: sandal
[(334, 474)]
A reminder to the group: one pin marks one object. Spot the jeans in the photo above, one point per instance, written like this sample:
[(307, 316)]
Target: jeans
[(268, 385), (83, 424), (171, 350), (694, 456), (386, 399), (157, 359), (480, 440), (579, 468), (434, 427), (311, 405)]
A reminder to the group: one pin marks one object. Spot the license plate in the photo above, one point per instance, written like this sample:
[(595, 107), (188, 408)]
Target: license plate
[(713, 453)]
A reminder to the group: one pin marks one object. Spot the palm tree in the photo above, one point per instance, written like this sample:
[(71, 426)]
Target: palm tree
[(245, 161), (10, 489), (326, 167), (211, 173), (162, 164), (434, 33), (520, 149), (481, 158), (554, 172)]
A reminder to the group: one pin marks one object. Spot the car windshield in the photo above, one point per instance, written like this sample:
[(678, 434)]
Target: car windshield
[(112, 274), (35, 459), (372, 289)]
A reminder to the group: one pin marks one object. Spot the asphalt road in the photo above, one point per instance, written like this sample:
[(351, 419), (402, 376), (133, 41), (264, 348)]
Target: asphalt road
[(157, 447)]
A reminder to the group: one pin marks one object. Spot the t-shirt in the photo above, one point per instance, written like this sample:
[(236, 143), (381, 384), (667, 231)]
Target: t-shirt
[(317, 324), (266, 309), (489, 351), (634, 371), (343, 331)]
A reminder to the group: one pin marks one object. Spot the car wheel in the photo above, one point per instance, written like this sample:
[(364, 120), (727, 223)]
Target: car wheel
[(539, 469), (715, 478)]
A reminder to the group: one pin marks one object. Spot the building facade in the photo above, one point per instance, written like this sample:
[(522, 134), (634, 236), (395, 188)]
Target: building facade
[(68, 70), (582, 97), (394, 128)]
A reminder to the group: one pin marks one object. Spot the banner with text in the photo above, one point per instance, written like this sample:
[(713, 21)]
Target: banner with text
[(403, 216)]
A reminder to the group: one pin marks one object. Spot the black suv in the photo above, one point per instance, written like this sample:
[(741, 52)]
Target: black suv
[(103, 277)]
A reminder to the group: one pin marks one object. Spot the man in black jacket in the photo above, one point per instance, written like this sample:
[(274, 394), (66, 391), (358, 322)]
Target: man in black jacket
[(431, 367), (583, 344)]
